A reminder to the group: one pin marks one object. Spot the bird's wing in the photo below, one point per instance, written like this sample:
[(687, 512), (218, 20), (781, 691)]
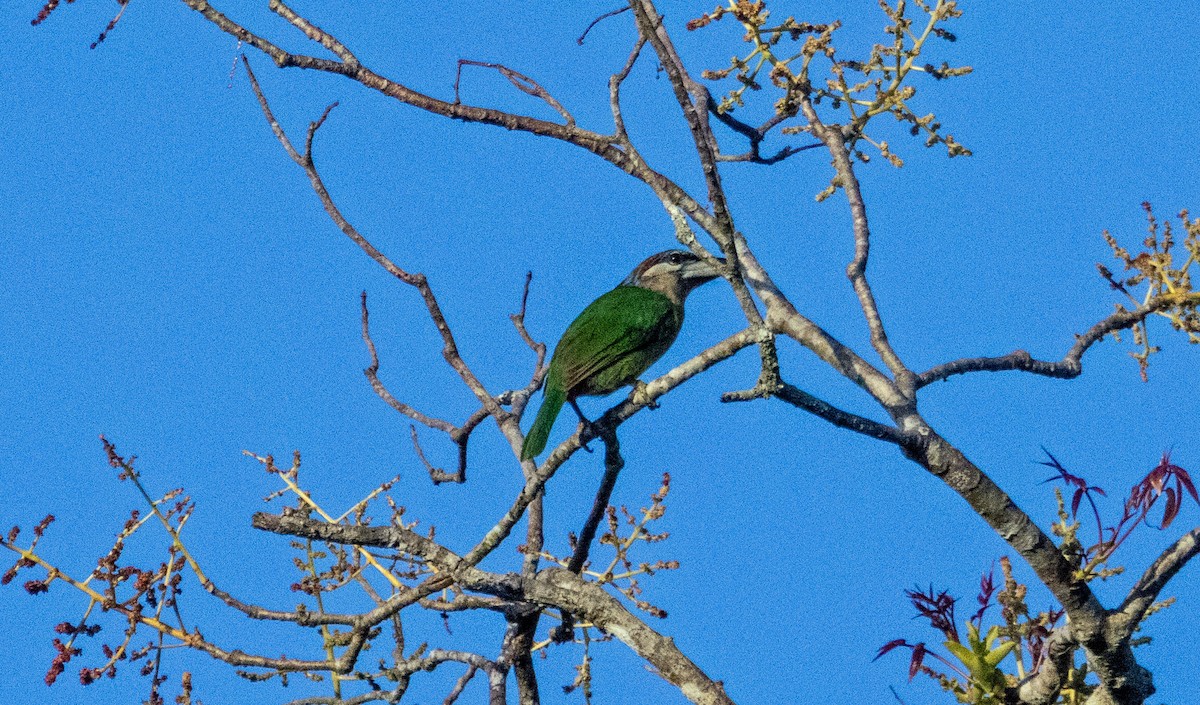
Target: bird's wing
[(624, 320)]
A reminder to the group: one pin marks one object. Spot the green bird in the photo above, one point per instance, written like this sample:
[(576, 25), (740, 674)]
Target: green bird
[(618, 337)]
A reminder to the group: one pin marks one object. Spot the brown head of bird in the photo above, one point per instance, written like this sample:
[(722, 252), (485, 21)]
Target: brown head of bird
[(673, 273)]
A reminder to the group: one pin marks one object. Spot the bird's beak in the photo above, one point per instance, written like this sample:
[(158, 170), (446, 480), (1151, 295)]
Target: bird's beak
[(695, 273)]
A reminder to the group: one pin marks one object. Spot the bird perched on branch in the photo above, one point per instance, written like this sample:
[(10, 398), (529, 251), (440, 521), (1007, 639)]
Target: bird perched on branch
[(618, 336)]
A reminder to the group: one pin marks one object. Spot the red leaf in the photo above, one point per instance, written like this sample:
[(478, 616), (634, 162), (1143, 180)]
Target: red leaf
[(889, 646), (1172, 509), (1186, 479), (918, 659), (1075, 501), (1157, 479)]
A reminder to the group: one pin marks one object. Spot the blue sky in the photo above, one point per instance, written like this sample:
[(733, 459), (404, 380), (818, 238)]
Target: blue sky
[(170, 280)]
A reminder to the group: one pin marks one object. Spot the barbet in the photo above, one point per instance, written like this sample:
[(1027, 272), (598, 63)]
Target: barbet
[(618, 337)]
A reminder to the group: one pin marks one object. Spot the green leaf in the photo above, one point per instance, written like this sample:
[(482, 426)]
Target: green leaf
[(996, 655), (968, 657), (992, 635)]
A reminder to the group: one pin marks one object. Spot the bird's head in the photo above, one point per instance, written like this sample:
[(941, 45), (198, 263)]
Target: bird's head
[(673, 273)]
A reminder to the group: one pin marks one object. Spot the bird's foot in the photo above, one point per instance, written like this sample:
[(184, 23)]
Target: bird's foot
[(639, 395), (587, 428)]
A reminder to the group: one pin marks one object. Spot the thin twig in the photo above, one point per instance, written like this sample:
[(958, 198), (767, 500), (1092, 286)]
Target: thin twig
[(597, 21), (437, 474), (818, 407), (856, 271), (416, 280), (372, 374), (522, 83), (621, 135), (754, 157), (462, 682)]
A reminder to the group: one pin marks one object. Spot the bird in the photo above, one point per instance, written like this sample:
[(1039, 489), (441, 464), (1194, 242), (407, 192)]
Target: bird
[(618, 337)]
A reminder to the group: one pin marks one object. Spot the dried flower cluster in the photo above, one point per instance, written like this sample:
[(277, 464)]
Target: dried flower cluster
[(1162, 270), (859, 89)]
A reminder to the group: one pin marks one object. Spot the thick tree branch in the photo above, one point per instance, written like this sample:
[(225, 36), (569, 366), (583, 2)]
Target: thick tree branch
[(613, 463), (782, 317), (693, 100), (940, 457), (1043, 687)]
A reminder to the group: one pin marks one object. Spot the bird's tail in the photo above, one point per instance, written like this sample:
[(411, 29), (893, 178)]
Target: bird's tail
[(539, 432)]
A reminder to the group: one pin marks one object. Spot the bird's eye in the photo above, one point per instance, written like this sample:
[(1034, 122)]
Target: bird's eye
[(675, 258)]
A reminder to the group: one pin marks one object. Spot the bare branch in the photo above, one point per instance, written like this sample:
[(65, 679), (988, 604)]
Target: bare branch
[(782, 317), (1146, 591), (818, 407), (754, 157), (517, 651), (372, 374), (755, 135), (856, 271), (313, 32), (613, 462), (521, 399), (610, 420), (416, 280), (460, 685), (1072, 363), (937, 455), (518, 320), (621, 135), (522, 83), (593, 142), (693, 100), (437, 474)]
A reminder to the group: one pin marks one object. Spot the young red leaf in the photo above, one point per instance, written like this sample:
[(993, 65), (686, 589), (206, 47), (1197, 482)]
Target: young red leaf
[(1157, 478), (894, 643), (1186, 480), (1172, 509), (918, 660), (1078, 496), (987, 588)]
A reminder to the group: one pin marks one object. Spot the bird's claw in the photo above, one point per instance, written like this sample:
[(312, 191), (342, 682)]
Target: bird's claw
[(587, 427)]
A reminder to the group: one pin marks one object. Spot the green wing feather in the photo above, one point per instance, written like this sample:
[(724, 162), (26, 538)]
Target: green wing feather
[(615, 339)]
